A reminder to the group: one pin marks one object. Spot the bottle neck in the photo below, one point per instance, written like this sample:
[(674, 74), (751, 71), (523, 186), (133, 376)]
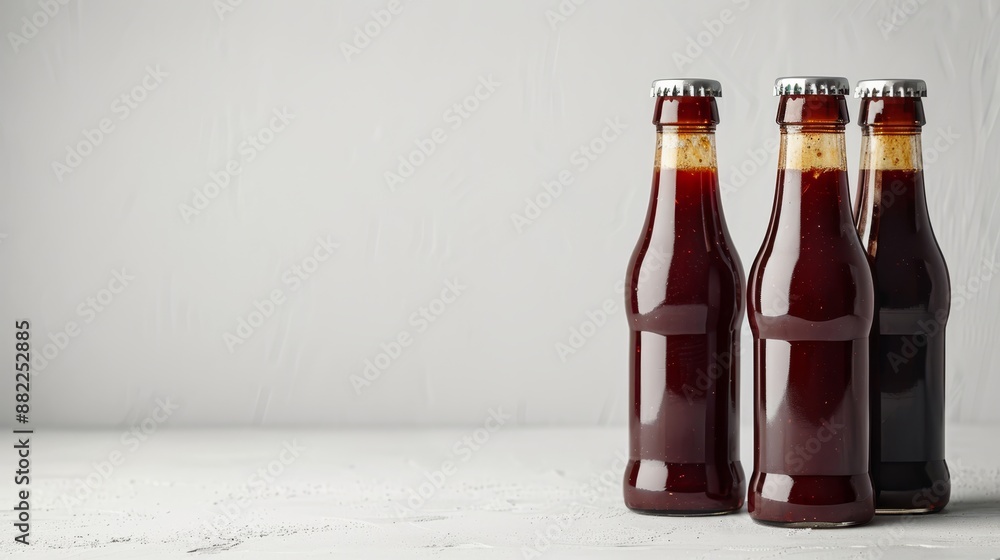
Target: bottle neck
[(812, 197), (891, 184), (684, 202), (891, 189), (812, 164), (684, 205), (685, 132)]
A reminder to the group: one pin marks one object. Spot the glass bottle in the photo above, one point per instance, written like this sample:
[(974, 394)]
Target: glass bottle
[(913, 299), (684, 305), (810, 309)]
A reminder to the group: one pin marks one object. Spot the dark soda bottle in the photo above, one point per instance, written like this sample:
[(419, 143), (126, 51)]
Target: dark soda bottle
[(684, 305), (913, 299), (810, 309)]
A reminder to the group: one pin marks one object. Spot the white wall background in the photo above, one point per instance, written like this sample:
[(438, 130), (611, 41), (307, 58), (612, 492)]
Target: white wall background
[(355, 114)]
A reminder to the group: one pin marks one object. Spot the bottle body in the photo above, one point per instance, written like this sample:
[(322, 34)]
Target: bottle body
[(810, 308), (684, 305), (913, 300)]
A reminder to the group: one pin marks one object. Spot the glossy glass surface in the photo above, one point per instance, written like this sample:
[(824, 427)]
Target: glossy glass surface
[(684, 304), (810, 309), (913, 299)]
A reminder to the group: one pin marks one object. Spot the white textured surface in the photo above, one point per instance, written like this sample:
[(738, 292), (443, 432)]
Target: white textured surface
[(562, 79), (346, 496)]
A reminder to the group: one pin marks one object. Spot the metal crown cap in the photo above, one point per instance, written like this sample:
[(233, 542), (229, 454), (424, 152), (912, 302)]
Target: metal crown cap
[(812, 85), (891, 88), (686, 87)]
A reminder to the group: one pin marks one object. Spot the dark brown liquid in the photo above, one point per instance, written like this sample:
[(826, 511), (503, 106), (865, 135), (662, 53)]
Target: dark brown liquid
[(684, 303), (913, 296), (810, 304)]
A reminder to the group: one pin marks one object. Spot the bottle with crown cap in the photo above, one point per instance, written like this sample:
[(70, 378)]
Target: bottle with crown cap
[(810, 305), (684, 303), (913, 299)]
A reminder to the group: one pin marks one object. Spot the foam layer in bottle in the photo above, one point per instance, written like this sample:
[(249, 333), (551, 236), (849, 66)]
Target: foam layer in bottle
[(683, 150), (891, 152), (813, 150)]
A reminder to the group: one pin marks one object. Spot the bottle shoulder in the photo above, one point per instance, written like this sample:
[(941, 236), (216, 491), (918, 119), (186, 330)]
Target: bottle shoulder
[(820, 268), (816, 295), (652, 268), (684, 292), (912, 281), (921, 252)]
